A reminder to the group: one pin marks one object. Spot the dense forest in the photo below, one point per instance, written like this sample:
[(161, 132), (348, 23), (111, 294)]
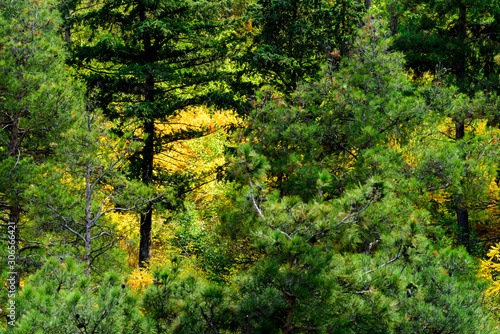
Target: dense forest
[(250, 166)]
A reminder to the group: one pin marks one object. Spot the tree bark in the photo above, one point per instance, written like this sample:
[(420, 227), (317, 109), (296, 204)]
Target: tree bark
[(368, 4), (462, 213), (147, 150), (394, 25), (147, 176)]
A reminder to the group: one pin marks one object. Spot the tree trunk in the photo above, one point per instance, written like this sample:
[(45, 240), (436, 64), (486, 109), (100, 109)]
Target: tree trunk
[(147, 175), (145, 243), (147, 150), (88, 219), (67, 31), (368, 4), (461, 211), (394, 25)]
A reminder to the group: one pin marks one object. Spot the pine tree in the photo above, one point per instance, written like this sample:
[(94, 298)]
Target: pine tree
[(85, 183), (151, 60), (344, 251), (294, 38), (332, 123), (36, 96), (459, 37)]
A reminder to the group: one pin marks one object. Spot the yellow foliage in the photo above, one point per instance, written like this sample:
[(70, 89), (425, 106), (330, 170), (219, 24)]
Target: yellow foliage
[(194, 156), (140, 279), (439, 196), (201, 154), (490, 270)]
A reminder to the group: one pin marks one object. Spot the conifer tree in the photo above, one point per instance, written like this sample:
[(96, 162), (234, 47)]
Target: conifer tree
[(293, 38), (461, 38), (36, 96), (331, 123), (85, 182), (150, 60), (345, 251)]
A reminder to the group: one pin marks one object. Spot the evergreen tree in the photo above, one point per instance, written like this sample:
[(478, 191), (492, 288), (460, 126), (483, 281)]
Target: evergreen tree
[(460, 37), (294, 38), (361, 263), (36, 96), (345, 251), (150, 60), (330, 124)]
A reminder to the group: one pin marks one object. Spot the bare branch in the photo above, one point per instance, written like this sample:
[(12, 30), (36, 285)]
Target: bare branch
[(135, 206), (383, 265), (15, 165)]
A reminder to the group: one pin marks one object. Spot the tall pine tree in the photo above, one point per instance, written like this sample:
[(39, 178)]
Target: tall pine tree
[(461, 38), (151, 59)]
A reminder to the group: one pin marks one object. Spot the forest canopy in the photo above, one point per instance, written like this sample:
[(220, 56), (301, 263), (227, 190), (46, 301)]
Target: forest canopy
[(249, 166)]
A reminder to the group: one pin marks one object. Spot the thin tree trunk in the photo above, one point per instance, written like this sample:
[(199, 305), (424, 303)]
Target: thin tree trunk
[(461, 210), (394, 25), (146, 217), (88, 218), (67, 31)]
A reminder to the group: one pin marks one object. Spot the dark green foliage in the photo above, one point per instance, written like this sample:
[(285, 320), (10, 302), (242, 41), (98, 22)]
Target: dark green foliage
[(294, 38), (460, 36), (153, 58)]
